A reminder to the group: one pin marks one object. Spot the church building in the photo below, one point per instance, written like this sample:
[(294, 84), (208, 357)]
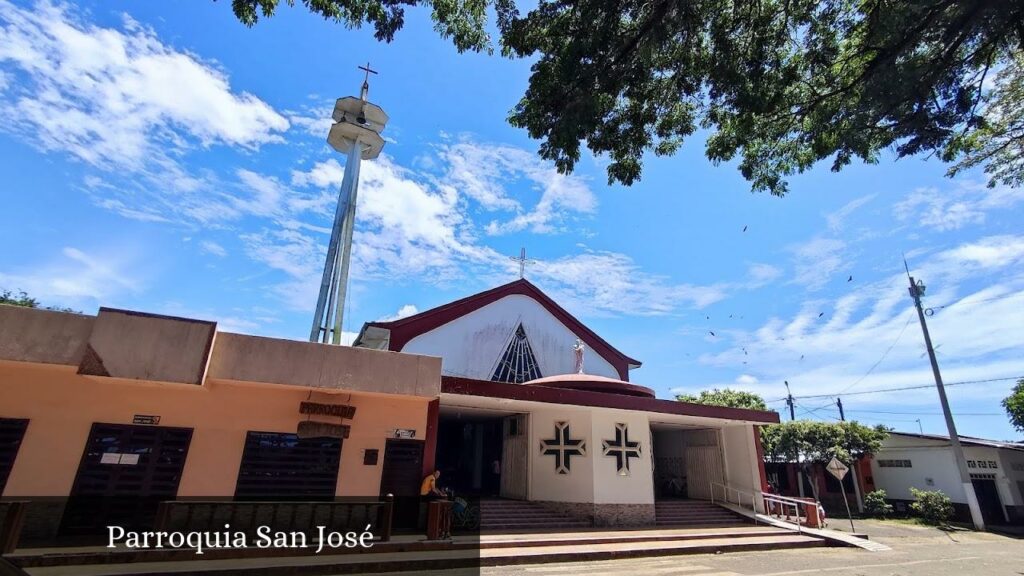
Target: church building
[(535, 406), (509, 396)]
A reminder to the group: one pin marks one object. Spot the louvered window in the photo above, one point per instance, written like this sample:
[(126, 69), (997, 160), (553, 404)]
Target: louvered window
[(279, 466)]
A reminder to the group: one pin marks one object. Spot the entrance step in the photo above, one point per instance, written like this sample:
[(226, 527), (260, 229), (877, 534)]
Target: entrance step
[(519, 515), (496, 550), (694, 513)]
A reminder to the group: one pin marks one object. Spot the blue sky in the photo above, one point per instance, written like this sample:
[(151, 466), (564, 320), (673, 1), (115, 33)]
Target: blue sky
[(175, 162)]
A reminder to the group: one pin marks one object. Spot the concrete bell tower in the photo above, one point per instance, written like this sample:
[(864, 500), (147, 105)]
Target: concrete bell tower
[(356, 134)]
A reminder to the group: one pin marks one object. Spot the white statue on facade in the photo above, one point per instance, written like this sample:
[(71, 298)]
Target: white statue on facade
[(578, 348)]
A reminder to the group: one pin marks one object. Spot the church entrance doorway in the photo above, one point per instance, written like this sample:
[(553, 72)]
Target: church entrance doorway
[(482, 453), (687, 461)]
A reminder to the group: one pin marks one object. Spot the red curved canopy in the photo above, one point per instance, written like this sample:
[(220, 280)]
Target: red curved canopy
[(592, 383)]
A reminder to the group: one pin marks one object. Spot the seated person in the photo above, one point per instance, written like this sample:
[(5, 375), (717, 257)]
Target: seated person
[(429, 490)]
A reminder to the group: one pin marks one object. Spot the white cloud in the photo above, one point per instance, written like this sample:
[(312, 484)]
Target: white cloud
[(761, 274), (989, 252), (816, 260), (746, 380), (603, 282), (837, 220), (968, 203), (211, 247), (317, 126), (410, 224), (79, 278), (115, 97), (869, 339), (484, 173), (403, 312)]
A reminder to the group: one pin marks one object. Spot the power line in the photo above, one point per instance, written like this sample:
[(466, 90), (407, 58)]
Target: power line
[(910, 318), (901, 388), (931, 309), (925, 413)]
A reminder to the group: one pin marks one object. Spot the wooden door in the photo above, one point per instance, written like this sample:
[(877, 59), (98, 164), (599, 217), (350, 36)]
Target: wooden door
[(12, 431), (515, 457), (403, 468), (704, 464), (125, 472), (401, 477)]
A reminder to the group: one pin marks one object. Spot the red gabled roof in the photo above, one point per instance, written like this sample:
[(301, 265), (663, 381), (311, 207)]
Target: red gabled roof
[(405, 329)]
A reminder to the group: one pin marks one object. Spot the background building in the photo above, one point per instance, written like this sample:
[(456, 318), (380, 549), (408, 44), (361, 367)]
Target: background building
[(925, 462)]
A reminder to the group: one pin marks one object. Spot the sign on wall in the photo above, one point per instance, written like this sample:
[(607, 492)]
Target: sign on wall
[(405, 433), (563, 447), (622, 449), (311, 429), (145, 419), (318, 409)]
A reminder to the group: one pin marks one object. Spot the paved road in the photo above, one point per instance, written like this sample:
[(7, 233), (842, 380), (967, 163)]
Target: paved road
[(917, 551)]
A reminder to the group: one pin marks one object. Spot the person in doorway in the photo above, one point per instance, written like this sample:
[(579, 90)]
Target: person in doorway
[(495, 477)]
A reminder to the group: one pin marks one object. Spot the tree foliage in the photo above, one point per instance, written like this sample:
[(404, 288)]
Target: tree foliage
[(726, 397), (933, 506), (1014, 405), (875, 504), (18, 299), (21, 298), (778, 85), (811, 441), (998, 143)]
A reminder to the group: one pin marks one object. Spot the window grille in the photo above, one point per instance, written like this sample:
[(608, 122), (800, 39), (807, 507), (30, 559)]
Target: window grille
[(517, 364)]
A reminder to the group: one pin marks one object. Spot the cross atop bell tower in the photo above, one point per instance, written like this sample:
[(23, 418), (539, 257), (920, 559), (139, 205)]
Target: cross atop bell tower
[(356, 134), (366, 81)]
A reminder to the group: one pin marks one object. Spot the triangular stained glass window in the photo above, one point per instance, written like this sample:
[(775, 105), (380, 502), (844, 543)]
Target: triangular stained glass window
[(517, 364)]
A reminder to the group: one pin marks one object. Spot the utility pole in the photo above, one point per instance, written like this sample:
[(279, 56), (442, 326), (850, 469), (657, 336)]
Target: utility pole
[(916, 291), (799, 465), (789, 401), (854, 468), (920, 428)]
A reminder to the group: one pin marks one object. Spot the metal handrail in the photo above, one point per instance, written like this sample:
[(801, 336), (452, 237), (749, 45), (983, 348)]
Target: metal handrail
[(726, 489), (785, 502)]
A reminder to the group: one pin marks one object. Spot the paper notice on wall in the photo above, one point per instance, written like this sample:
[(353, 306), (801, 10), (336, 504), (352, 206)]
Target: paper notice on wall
[(129, 459), (110, 458)]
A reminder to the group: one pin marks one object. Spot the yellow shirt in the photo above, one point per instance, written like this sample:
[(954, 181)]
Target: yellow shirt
[(427, 487)]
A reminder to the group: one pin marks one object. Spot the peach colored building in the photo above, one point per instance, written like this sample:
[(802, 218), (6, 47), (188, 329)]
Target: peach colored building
[(124, 404)]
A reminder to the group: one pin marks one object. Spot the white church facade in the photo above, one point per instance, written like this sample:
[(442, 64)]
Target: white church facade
[(535, 406)]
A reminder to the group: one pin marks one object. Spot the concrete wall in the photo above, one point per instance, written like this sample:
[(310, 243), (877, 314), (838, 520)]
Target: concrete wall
[(61, 406), (545, 483), (740, 457), (472, 344), (609, 486), (44, 336), (936, 463), (593, 489), (274, 361)]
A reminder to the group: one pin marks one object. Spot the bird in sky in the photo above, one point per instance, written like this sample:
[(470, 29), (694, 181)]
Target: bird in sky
[(744, 228), (710, 332), (850, 279), (821, 314)]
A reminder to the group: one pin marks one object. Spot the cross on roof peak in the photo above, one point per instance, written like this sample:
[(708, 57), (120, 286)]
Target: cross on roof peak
[(523, 261)]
